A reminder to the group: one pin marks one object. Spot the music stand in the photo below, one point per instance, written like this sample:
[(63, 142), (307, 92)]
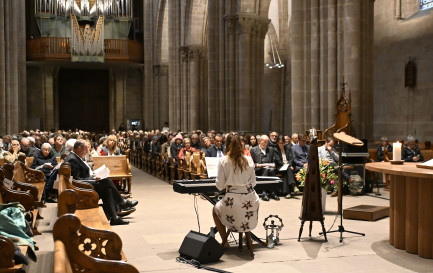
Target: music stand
[(341, 137)]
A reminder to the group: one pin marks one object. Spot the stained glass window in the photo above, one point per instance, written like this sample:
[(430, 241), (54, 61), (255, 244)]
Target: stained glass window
[(426, 4)]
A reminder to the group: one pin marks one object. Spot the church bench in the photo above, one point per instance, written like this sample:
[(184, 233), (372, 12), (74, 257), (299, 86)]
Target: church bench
[(22, 173), (2, 162), (7, 249), (118, 165), (26, 194), (82, 217), (86, 249)]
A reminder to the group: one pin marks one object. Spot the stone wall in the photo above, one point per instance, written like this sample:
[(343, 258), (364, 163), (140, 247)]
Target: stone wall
[(400, 111)]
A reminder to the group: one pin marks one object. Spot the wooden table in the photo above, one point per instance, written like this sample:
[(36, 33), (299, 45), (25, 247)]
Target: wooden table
[(411, 207)]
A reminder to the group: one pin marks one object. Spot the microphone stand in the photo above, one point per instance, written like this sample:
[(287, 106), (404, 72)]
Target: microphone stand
[(340, 197)]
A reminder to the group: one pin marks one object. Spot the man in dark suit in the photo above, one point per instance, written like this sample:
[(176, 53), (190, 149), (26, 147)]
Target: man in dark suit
[(111, 198), (263, 156), (300, 153), (216, 150)]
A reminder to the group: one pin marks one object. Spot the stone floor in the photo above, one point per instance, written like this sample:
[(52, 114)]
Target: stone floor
[(152, 240)]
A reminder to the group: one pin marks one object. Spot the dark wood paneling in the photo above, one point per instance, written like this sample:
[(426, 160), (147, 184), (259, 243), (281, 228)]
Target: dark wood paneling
[(83, 99)]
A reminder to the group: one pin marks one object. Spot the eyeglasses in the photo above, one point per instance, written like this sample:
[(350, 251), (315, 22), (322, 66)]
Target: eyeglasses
[(274, 135)]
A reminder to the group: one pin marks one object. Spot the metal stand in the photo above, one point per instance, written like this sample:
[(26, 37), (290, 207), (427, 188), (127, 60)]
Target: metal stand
[(340, 198)]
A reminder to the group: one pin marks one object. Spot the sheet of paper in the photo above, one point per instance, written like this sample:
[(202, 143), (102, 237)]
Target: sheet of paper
[(284, 168), (102, 172), (212, 166), (56, 182), (428, 163), (8, 183)]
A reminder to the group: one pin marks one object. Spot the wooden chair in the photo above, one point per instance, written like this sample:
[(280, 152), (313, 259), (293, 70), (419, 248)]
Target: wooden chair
[(343, 116)]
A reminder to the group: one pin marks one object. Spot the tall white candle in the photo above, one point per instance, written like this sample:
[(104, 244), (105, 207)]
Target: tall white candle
[(396, 151)]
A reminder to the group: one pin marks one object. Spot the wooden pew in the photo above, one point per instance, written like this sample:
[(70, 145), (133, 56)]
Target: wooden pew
[(22, 173), (118, 165), (172, 168), (2, 162), (81, 220), (7, 249), (23, 193), (74, 244)]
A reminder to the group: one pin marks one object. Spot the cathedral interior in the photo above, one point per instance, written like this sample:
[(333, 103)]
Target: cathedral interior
[(244, 65)]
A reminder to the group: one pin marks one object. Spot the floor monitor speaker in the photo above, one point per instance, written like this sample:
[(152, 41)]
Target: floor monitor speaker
[(201, 247)]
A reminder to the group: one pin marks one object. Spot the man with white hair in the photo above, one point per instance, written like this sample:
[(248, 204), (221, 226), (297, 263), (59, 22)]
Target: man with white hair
[(263, 157), (114, 204)]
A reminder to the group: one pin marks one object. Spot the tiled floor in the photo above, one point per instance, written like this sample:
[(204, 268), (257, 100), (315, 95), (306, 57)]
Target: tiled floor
[(152, 240)]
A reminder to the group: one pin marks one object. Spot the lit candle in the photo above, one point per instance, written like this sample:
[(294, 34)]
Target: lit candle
[(396, 151)]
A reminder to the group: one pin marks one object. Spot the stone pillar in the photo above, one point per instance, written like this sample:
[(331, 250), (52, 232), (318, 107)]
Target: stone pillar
[(12, 66), (332, 57), (50, 74), (117, 97), (161, 88), (194, 56), (331, 40), (174, 33), (149, 114), (297, 52)]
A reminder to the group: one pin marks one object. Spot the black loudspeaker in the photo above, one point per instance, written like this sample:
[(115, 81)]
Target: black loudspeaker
[(201, 247)]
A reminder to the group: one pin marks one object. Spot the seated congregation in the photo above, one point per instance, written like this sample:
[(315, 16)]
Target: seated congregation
[(62, 166), (33, 172)]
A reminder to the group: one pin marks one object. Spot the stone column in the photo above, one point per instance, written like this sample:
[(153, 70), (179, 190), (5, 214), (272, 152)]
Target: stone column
[(194, 56), (184, 88), (148, 47), (231, 64), (174, 31), (332, 80), (297, 52), (12, 66), (50, 73), (162, 90)]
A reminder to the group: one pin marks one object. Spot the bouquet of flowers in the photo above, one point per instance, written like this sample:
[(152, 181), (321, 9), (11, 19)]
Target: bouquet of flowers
[(328, 176)]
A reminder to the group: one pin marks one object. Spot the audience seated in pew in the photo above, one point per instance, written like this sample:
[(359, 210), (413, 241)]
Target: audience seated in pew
[(411, 152), (13, 153), (115, 206), (263, 157), (46, 161), (283, 157), (300, 153), (58, 148), (109, 147), (26, 149), (383, 149)]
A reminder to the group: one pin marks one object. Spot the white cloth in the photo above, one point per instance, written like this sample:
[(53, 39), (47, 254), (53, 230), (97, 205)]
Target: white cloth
[(239, 208)]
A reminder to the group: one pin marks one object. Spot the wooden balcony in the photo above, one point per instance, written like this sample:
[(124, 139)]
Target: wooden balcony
[(57, 48)]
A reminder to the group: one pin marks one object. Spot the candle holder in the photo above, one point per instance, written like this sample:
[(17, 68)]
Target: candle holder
[(397, 162)]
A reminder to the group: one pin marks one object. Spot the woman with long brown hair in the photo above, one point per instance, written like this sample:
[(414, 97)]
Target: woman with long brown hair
[(238, 210)]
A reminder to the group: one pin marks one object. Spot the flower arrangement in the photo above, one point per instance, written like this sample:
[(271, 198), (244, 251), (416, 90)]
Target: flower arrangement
[(328, 176)]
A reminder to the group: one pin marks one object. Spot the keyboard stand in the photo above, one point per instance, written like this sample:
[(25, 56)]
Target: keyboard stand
[(254, 237)]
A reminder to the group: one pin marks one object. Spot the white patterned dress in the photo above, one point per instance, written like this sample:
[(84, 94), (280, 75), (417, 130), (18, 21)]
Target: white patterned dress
[(239, 208)]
